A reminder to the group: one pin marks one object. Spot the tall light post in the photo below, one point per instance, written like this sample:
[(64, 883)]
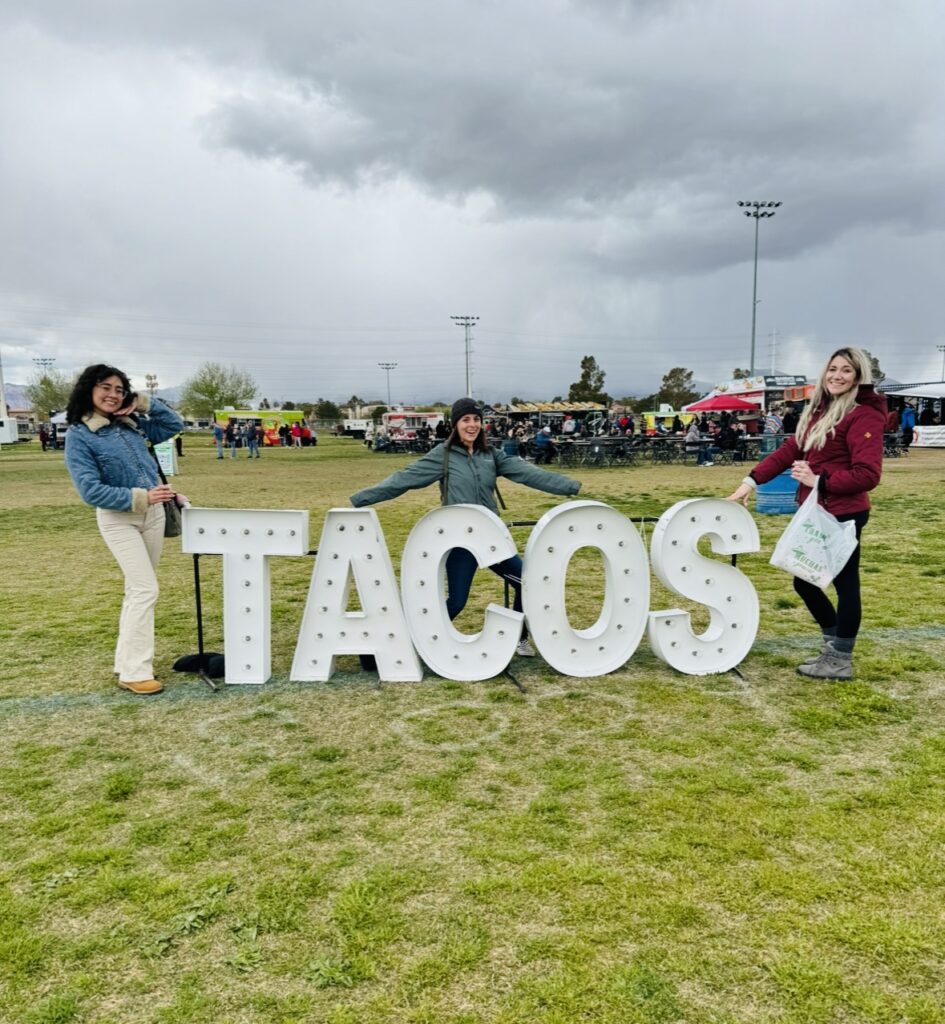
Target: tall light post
[(388, 367), (753, 208), (44, 363), (151, 383), (466, 322), (941, 349)]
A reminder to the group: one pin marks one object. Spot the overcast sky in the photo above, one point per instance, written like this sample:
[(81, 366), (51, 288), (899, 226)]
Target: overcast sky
[(306, 189)]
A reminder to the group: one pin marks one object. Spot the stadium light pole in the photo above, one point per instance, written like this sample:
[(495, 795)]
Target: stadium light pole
[(466, 322), (753, 208), (388, 367), (941, 349)]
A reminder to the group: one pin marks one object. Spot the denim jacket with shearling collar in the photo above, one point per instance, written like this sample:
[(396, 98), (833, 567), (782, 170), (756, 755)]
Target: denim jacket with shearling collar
[(108, 459)]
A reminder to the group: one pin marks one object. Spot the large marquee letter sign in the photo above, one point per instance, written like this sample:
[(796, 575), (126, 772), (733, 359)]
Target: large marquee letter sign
[(399, 626), (612, 639), (729, 595), (352, 549), (247, 539), (448, 652)]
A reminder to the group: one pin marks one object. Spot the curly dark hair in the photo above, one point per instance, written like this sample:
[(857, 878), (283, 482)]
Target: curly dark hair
[(80, 401)]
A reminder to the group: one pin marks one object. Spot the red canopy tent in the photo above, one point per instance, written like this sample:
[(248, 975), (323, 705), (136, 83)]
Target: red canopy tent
[(720, 403)]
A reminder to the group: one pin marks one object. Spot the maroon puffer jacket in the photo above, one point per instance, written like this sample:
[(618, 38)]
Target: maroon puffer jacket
[(849, 464)]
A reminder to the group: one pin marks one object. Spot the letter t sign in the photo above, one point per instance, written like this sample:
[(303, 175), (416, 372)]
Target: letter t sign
[(247, 539)]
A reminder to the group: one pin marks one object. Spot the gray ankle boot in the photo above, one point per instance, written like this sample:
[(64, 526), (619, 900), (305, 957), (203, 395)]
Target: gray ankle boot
[(832, 664), (814, 658)]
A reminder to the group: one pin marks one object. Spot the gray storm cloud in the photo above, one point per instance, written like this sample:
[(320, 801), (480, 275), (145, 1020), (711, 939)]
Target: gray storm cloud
[(579, 162)]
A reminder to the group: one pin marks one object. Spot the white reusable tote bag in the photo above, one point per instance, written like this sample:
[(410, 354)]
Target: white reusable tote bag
[(815, 547)]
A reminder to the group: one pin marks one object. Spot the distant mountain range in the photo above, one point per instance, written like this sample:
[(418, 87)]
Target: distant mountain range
[(15, 395)]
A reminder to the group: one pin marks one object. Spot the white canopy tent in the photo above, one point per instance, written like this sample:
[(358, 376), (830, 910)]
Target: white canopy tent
[(931, 391), (924, 436)]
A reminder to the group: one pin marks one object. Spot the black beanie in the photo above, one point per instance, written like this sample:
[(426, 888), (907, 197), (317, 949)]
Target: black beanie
[(462, 407)]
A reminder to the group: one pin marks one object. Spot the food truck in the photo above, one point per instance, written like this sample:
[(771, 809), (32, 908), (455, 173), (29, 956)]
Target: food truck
[(405, 423), (646, 421), (268, 420), (764, 389), (551, 414)]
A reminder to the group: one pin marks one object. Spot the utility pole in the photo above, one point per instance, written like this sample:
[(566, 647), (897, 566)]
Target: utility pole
[(941, 349), (466, 322), (388, 367), (774, 349), (757, 210), (44, 363)]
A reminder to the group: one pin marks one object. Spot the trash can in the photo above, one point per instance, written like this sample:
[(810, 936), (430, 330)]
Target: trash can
[(776, 497)]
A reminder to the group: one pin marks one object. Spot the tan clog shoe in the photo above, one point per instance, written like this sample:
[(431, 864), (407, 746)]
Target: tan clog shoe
[(142, 687)]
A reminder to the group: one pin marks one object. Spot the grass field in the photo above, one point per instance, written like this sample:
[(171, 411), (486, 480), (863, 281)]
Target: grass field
[(641, 847)]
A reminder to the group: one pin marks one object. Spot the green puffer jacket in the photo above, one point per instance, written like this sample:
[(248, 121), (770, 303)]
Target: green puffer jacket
[(471, 480)]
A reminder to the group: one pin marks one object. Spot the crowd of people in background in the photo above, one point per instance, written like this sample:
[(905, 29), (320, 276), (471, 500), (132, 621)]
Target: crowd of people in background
[(539, 437), (252, 437), (901, 421), (706, 435), (541, 440), (725, 430)]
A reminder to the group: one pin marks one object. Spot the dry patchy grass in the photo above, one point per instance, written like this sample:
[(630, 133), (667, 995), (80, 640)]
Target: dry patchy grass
[(640, 847)]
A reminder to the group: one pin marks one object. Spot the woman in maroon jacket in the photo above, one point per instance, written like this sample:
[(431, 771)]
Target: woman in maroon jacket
[(838, 448)]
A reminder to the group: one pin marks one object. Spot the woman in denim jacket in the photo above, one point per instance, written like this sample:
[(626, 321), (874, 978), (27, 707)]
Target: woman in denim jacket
[(108, 458)]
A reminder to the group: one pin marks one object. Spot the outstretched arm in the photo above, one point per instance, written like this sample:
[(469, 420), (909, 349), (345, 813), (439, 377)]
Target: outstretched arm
[(522, 472), (743, 492), (425, 471)]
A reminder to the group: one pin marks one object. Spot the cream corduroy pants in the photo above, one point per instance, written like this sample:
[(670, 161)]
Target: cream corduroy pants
[(135, 539)]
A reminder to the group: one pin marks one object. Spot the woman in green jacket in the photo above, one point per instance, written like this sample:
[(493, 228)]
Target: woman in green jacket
[(467, 470)]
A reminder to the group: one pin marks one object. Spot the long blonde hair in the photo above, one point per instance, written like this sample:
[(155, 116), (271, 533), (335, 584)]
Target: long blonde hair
[(832, 409)]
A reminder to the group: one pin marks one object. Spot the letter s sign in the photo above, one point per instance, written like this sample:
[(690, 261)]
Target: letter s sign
[(724, 589)]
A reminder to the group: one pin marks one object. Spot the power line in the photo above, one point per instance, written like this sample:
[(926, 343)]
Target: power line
[(467, 323)]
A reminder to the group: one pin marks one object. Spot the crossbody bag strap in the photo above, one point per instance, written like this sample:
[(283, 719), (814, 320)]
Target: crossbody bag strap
[(498, 493), (444, 479), (157, 461)]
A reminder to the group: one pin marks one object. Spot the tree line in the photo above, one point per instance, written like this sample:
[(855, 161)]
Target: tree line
[(215, 386)]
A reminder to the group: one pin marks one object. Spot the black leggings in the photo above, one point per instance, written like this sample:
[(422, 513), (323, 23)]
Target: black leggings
[(846, 618), (461, 566)]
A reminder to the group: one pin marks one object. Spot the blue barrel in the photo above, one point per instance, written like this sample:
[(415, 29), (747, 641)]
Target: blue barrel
[(776, 497)]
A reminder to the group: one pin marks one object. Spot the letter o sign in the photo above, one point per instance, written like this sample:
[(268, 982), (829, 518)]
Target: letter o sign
[(612, 639)]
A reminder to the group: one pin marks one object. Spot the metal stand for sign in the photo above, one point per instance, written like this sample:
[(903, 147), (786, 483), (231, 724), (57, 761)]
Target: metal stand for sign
[(202, 656), (202, 671)]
